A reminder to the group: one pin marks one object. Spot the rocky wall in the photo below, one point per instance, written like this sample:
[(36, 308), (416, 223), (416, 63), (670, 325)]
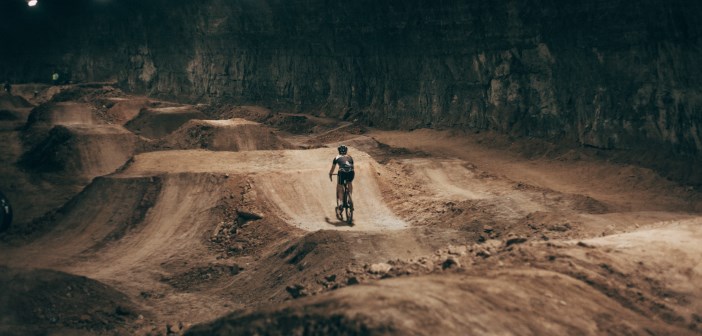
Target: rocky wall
[(608, 74)]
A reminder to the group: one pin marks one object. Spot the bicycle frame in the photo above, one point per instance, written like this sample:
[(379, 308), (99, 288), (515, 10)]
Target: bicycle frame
[(347, 204)]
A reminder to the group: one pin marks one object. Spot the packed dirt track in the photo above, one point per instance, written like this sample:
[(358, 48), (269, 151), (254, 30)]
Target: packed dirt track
[(139, 216)]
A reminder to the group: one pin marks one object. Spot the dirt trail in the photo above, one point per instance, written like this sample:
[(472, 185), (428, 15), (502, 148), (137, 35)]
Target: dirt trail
[(469, 233), (294, 181)]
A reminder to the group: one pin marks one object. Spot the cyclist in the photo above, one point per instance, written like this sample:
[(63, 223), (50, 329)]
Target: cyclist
[(346, 174), (5, 213)]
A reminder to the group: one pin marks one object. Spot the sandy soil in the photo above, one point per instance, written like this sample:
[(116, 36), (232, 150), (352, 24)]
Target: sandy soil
[(204, 223)]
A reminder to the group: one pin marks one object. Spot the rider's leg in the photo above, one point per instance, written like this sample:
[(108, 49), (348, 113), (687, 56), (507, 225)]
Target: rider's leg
[(339, 195), (350, 186)]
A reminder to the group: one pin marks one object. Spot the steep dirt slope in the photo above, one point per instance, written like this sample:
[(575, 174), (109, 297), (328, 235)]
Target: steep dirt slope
[(82, 150)]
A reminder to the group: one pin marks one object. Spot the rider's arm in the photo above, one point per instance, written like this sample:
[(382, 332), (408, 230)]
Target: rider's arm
[(331, 171)]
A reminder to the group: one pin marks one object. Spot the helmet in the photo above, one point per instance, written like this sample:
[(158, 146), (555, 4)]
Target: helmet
[(342, 149)]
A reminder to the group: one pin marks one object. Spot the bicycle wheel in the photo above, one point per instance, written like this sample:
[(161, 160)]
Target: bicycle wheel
[(348, 208)]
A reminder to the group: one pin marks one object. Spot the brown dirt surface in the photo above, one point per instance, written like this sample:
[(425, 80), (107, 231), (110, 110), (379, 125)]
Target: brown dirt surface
[(157, 122), (82, 150), (223, 135), (37, 302), (10, 102), (232, 229)]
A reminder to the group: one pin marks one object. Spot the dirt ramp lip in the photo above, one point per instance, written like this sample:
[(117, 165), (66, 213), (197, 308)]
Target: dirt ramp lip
[(123, 109), (82, 150), (155, 123), (61, 113), (224, 135)]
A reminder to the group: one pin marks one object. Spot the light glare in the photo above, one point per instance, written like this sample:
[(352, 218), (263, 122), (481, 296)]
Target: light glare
[(32, 3)]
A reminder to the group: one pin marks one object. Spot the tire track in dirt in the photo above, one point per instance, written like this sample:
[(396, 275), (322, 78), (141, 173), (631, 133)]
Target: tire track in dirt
[(294, 182)]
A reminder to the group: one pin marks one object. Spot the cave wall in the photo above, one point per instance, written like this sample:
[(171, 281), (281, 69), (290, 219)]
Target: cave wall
[(609, 74)]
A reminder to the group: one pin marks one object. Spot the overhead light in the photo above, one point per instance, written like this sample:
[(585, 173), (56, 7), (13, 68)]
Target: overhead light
[(32, 3)]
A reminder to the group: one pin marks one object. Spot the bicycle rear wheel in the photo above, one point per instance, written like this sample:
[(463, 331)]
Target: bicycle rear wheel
[(348, 208)]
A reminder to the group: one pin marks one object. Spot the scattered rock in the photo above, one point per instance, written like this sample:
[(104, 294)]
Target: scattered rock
[(297, 291), (560, 227), (174, 328), (515, 240), (249, 215), (458, 250), (450, 262), (352, 281), (582, 244), (380, 268), (120, 310), (235, 269)]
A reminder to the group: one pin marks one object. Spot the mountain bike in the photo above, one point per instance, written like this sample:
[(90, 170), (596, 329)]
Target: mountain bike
[(346, 212)]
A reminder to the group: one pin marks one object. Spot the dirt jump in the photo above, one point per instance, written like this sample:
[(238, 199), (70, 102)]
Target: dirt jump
[(151, 218)]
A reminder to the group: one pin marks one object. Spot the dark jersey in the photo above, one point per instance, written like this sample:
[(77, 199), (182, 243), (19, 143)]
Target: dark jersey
[(345, 163)]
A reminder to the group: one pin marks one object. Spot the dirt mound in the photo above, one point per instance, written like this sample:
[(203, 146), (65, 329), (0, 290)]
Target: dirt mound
[(452, 304), (223, 135), (347, 132), (119, 110), (609, 285), (61, 113), (129, 199), (225, 111), (14, 111), (11, 120), (294, 182), (155, 123), (301, 123), (37, 302), (82, 150), (10, 102), (326, 260)]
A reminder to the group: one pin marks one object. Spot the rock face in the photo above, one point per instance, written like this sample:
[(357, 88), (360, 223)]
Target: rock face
[(608, 74)]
